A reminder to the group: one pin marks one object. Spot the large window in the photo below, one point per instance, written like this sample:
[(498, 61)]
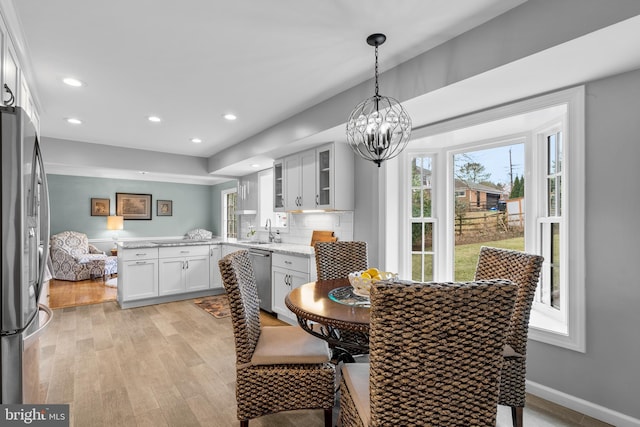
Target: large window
[(512, 178), (421, 219)]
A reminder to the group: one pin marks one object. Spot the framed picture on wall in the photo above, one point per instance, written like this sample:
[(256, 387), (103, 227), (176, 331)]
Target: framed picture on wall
[(133, 206), (100, 207), (164, 208)]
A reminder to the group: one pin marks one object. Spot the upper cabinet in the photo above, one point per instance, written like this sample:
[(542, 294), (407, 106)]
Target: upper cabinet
[(13, 84), (248, 196), (310, 177), (299, 176), (278, 186)]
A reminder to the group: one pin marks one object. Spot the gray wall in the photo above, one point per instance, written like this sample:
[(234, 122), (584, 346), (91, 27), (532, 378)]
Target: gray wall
[(609, 372), (71, 200)]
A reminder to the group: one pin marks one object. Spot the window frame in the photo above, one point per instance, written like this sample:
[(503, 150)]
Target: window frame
[(567, 331)]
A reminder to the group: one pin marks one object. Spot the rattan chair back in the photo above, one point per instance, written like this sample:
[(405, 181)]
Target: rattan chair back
[(524, 270), (240, 283), (335, 260), (266, 389), (436, 352)]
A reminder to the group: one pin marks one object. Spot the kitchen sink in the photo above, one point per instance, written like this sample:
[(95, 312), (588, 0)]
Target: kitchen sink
[(254, 242)]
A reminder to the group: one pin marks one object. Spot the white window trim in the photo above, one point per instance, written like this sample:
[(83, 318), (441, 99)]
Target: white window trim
[(571, 333)]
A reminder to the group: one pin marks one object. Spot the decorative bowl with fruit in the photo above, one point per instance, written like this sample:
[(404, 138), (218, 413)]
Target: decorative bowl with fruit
[(362, 280)]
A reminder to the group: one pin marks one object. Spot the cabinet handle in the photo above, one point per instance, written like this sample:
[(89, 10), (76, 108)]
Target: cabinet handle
[(317, 199), (187, 265), (184, 252), (140, 254), (288, 262), (141, 262)]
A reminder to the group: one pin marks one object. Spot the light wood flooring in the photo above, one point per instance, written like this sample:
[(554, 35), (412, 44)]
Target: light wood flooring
[(170, 365), (63, 293)]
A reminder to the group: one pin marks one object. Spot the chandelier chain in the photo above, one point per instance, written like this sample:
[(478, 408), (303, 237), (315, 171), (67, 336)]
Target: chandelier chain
[(376, 72)]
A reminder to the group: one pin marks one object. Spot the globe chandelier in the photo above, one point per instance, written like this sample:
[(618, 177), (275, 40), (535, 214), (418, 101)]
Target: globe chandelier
[(378, 128)]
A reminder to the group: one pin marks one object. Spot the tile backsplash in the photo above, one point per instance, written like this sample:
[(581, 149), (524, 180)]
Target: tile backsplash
[(301, 226)]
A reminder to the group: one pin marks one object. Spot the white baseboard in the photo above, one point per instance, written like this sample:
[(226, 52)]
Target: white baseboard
[(580, 405)]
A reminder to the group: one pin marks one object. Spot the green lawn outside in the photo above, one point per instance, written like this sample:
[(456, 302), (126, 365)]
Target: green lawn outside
[(466, 257)]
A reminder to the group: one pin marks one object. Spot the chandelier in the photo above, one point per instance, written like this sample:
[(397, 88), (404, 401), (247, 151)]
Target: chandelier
[(378, 128)]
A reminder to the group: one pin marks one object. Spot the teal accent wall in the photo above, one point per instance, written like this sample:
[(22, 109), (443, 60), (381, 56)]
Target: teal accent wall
[(216, 204), (70, 199)]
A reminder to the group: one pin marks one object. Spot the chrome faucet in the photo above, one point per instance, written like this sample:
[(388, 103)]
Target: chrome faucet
[(267, 226)]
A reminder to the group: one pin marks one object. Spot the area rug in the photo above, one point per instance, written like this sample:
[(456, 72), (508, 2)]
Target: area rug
[(216, 305)]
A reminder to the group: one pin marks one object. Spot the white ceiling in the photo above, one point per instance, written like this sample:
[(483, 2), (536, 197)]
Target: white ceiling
[(191, 61)]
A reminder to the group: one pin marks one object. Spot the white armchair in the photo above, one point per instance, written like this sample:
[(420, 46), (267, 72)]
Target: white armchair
[(73, 258)]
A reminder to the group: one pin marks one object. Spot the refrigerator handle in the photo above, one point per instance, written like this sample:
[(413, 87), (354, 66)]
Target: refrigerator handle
[(44, 221), (43, 325)]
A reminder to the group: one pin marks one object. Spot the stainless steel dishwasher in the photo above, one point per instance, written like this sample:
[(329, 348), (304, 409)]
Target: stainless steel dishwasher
[(261, 261)]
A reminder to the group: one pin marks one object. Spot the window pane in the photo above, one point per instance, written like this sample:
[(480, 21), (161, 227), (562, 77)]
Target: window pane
[(555, 265), (416, 237), (427, 238), (427, 263), (559, 153), (551, 154), (551, 192), (415, 203), (489, 208), (426, 203), (559, 196)]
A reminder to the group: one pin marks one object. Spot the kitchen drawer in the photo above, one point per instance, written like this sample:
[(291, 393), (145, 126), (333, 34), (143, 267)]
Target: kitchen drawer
[(184, 251), (141, 253), (291, 262)]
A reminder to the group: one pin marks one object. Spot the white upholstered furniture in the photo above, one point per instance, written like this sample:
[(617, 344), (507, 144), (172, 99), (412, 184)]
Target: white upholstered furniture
[(73, 258)]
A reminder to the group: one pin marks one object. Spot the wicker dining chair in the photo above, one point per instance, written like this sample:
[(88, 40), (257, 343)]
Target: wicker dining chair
[(278, 368), (436, 355), (335, 260), (524, 270)]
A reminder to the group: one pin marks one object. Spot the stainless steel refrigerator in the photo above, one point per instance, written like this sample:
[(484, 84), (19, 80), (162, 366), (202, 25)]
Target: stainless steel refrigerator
[(25, 246)]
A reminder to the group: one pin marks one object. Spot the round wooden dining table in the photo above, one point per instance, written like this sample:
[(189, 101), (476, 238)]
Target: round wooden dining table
[(329, 310)]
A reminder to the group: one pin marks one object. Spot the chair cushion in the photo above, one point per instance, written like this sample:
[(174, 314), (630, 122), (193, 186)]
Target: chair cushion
[(285, 345), (356, 376)]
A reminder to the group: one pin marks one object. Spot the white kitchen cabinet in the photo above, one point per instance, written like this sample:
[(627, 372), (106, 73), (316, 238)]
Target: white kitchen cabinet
[(248, 196), (335, 177), (215, 279), (137, 274), (300, 183), (278, 186), (288, 272), (183, 269), (321, 178)]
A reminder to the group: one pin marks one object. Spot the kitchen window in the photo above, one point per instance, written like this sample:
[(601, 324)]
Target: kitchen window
[(545, 199)]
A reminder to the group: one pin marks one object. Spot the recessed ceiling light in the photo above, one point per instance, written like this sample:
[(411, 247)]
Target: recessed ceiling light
[(73, 82), (196, 140), (154, 119), (142, 172), (230, 116), (74, 121), (255, 165)]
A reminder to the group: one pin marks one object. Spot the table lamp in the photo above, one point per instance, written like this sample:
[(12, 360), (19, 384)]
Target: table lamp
[(115, 222)]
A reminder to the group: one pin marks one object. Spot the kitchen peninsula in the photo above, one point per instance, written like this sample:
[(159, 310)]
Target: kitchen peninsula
[(159, 271)]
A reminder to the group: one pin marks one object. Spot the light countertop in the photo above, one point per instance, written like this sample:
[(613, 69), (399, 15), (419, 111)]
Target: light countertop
[(285, 248)]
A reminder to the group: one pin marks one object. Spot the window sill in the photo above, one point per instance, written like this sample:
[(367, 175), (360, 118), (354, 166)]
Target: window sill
[(546, 329)]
